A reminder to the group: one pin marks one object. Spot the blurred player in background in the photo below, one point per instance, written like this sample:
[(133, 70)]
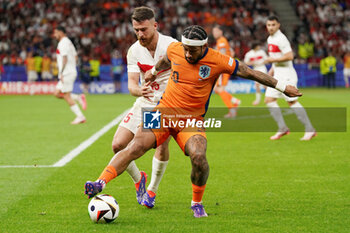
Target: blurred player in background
[(346, 70), (142, 56), (281, 56), (46, 65), (117, 69), (223, 47), (256, 57), (195, 70), (67, 73), (32, 75)]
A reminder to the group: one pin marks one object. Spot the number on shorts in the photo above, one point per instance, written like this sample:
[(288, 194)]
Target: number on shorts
[(127, 118)]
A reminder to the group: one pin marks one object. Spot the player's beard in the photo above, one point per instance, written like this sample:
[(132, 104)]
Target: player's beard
[(146, 41)]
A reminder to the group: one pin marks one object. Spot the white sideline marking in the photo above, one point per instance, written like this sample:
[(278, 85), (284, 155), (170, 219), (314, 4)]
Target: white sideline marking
[(76, 151)]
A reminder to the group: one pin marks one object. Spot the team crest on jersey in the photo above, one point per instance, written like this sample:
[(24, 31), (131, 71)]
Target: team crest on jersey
[(204, 71)]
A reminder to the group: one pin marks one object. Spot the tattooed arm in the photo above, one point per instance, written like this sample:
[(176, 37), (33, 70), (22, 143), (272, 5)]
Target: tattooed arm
[(245, 72), (162, 64)]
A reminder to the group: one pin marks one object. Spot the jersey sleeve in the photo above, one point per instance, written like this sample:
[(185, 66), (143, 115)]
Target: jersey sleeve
[(64, 47), (228, 64), (132, 62), (170, 50), (285, 46)]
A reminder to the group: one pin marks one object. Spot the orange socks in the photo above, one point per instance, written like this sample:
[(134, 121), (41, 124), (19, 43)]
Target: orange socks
[(108, 174), (226, 97), (197, 192)]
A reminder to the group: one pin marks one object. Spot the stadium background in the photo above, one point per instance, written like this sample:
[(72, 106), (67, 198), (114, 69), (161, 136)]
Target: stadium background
[(255, 184), (100, 28)]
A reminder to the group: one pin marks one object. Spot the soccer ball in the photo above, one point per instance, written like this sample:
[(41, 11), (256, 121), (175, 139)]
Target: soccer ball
[(103, 208)]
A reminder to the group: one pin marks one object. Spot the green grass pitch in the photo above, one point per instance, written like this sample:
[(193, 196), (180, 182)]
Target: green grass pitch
[(255, 185)]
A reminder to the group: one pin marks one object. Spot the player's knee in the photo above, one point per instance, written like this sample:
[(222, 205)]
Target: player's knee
[(117, 146), (199, 161)]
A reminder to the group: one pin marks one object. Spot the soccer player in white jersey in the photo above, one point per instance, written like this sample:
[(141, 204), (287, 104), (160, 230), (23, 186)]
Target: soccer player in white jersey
[(67, 73), (142, 56), (256, 58), (281, 56)]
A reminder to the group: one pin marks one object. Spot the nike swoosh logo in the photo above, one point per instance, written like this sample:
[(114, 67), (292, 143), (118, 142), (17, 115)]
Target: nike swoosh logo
[(175, 64)]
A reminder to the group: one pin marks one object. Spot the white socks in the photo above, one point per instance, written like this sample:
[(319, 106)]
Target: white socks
[(276, 113), (75, 108), (299, 110), (134, 172), (75, 97), (257, 97), (158, 169)]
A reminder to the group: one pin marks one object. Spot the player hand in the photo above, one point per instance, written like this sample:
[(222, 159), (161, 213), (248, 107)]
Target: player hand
[(292, 91), (149, 77), (146, 91), (61, 78)]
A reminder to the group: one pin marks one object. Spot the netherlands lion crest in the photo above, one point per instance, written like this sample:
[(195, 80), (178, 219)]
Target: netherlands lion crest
[(204, 71)]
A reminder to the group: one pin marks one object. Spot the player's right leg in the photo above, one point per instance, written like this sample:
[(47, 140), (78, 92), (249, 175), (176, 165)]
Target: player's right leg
[(121, 139), (159, 164), (65, 88), (143, 141), (275, 111)]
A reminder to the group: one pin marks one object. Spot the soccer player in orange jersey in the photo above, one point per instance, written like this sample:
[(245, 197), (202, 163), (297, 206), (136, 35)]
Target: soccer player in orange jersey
[(223, 47), (195, 70)]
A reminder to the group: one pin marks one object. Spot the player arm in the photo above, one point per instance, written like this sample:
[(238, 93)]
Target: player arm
[(245, 72), (286, 57), (133, 84), (162, 64), (64, 63)]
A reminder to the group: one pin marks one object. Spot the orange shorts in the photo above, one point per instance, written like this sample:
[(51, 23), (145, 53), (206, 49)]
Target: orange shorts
[(181, 135), (223, 80)]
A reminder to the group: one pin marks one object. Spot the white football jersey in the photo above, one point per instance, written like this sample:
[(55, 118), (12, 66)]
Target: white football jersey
[(65, 47), (140, 60), (278, 45), (258, 58)]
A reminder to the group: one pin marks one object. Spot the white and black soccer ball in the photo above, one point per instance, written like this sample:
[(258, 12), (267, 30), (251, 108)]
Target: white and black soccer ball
[(103, 208)]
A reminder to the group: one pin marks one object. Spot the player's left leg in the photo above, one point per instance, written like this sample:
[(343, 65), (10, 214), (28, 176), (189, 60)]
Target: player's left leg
[(299, 110), (230, 101), (159, 164), (257, 94), (195, 148), (143, 141), (80, 118)]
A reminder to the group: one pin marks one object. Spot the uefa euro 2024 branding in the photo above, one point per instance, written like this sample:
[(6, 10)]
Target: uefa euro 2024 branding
[(153, 120)]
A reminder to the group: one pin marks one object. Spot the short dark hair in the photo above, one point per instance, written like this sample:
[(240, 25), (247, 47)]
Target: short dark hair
[(219, 27), (142, 13), (61, 28), (255, 44), (273, 17), (195, 32)]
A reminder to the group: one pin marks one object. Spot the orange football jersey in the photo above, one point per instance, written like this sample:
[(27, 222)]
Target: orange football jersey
[(223, 46), (190, 85)]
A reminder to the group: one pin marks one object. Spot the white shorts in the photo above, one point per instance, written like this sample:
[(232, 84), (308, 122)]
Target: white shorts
[(67, 84), (32, 76), (46, 75), (346, 72), (133, 120), (288, 75)]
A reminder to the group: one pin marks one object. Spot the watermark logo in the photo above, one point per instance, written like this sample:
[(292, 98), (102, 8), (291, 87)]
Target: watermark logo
[(151, 119)]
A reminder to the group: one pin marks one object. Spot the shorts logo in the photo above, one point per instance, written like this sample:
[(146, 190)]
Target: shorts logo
[(204, 71), (151, 119)]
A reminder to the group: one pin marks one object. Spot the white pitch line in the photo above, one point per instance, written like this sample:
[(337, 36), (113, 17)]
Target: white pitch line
[(76, 151)]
